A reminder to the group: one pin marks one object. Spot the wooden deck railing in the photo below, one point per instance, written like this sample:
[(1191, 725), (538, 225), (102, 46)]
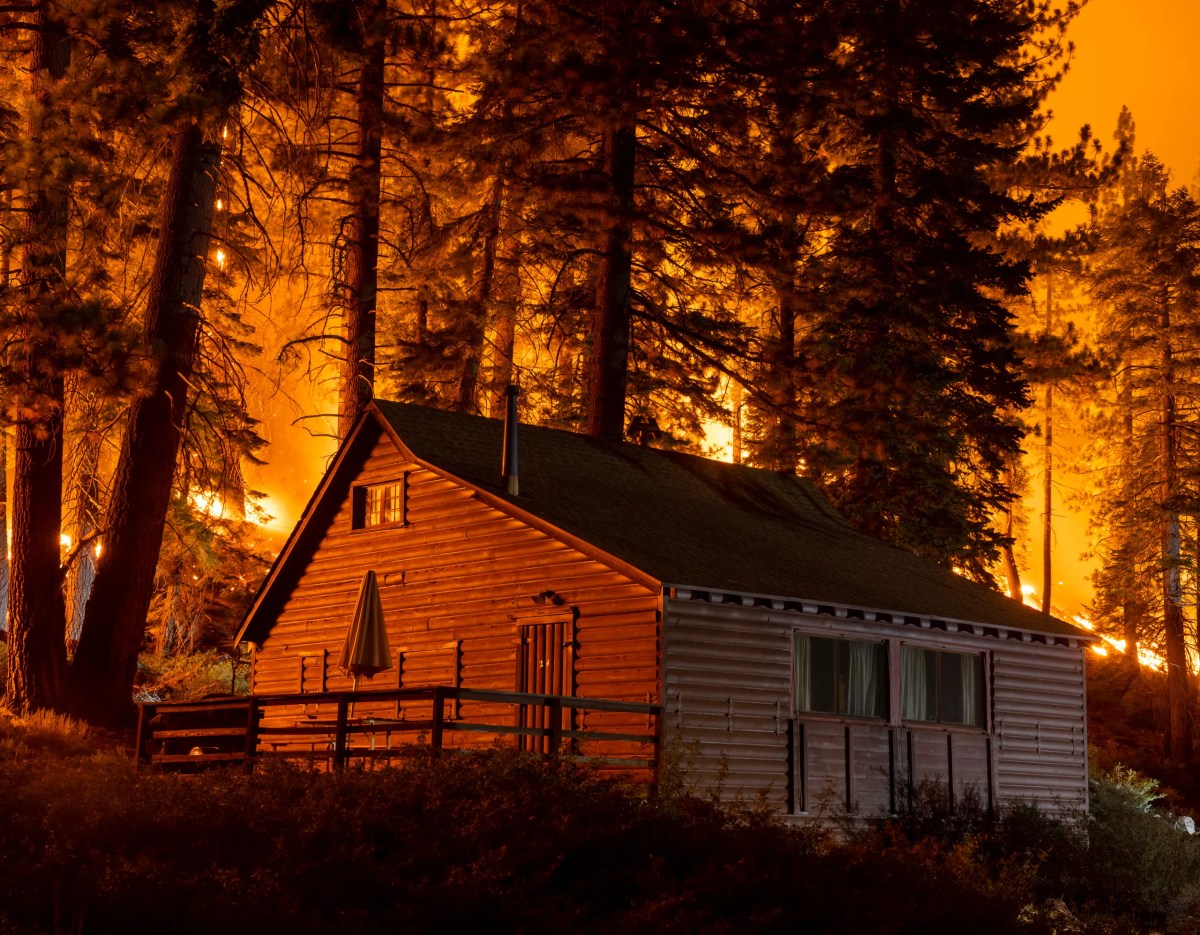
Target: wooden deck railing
[(321, 726)]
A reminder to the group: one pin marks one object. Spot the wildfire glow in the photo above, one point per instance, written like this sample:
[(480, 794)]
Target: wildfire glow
[(65, 541), (209, 503)]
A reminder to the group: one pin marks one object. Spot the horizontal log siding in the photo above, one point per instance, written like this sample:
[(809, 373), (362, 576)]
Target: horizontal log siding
[(728, 683), (727, 677), (456, 583), (1041, 742)]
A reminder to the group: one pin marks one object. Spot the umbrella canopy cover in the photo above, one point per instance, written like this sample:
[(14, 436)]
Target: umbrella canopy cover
[(366, 650)]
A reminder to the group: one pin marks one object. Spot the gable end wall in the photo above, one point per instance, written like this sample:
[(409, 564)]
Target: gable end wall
[(459, 578)]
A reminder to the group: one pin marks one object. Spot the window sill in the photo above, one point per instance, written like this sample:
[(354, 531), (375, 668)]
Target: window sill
[(398, 524), (840, 718), (943, 728)]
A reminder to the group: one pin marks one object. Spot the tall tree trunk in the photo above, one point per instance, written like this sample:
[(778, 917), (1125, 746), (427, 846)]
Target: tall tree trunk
[(85, 523), (36, 610), (609, 360), (1130, 617), (1178, 675), (361, 287), (780, 361), (1048, 460), (736, 399), (114, 625), (508, 292), (481, 299), (4, 531), (1012, 572)]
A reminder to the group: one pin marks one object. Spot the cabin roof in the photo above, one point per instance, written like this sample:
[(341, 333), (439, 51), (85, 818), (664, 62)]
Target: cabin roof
[(696, 523)]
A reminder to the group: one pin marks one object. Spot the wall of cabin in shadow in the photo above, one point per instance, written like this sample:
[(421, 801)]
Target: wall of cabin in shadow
[(730, 718)]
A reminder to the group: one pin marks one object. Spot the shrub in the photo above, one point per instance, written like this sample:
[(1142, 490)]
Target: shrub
[(496, 842), (1138, 861)]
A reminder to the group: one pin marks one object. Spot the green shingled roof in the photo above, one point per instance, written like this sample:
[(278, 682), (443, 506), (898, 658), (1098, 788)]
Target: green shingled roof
[(709, 525)]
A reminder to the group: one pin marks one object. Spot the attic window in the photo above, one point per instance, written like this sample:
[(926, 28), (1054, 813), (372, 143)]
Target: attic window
[(380, 505)]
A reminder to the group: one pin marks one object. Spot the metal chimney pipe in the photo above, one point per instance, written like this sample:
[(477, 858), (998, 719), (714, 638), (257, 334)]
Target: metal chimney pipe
[(508, 466)]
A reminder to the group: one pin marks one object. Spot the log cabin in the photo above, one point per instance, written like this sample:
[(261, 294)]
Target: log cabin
[(790, 656)]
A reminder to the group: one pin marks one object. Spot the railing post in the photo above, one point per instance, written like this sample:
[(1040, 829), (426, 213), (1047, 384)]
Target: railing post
[(339, 737), (554, 710), (439, 720), (251, 733), (138, 749)]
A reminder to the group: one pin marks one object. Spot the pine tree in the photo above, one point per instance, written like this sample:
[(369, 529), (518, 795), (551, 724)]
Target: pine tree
[(1148, 277), (217, 44), (912, 370)]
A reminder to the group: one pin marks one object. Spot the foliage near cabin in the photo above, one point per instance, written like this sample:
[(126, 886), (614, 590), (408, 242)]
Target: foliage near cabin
[(511, 843)]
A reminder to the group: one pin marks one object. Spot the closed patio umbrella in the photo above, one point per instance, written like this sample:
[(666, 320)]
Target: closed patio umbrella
[(366, 649)]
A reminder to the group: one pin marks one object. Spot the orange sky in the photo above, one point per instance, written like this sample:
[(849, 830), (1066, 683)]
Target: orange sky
[(1140, 53)]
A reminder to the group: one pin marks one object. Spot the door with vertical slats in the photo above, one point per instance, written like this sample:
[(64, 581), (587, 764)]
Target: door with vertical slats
[(545, 666)]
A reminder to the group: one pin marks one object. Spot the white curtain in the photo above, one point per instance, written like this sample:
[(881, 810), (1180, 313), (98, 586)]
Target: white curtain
[(970, 690), (862, 680), (803, 676), (913, 675)]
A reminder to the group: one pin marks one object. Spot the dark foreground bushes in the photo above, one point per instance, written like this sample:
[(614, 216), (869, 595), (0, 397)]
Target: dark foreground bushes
[(489, 843)]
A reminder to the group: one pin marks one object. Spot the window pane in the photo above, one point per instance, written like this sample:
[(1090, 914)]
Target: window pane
[(865, 678), (941, 687), (393, 498), (952, 689), (822, 668), (918, 684), (841, 676), (962, 689), (374, 511)]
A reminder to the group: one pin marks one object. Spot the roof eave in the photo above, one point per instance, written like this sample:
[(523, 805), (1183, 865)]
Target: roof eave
[(686, 592)]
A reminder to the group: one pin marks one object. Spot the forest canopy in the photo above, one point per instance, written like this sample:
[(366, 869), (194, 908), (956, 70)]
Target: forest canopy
[(819, 227)]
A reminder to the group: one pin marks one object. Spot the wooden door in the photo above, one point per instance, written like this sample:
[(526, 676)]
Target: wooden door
[(545, 666)]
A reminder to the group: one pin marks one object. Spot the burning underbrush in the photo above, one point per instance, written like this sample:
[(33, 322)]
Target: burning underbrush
[(505, 843)]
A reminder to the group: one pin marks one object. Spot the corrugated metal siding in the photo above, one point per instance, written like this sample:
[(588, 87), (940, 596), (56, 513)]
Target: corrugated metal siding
[(456, 583), (728, 696)]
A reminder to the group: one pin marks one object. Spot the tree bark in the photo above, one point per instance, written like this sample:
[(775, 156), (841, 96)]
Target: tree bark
[(361, 286), (1048, 477), (1178, 675), (4, 531), (609, 360), (508, 291), (36, 610), (481, 300), (1012, 572), (781, 360), (86, 521), (114, 625), (1130, 617)]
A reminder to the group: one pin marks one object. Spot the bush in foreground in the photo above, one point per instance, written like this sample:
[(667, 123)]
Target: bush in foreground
[(494, 842)]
